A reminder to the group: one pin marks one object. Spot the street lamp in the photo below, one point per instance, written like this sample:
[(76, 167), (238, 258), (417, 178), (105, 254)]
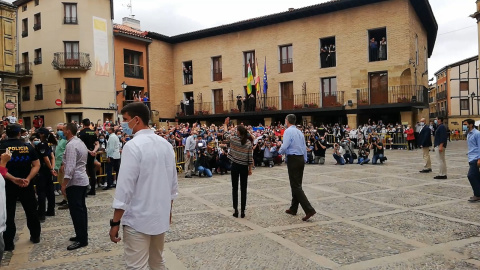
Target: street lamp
[(473, 97), (124, 89)]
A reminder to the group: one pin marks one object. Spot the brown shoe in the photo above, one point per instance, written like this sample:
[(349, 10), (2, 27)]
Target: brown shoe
[(288, 211), (309, 215)]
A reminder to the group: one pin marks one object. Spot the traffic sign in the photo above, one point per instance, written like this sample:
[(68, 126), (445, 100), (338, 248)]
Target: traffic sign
[(58, 102)]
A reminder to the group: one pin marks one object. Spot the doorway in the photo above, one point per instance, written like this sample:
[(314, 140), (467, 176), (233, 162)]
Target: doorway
[(218, 100), (74, 117), (378, 87), (286, 89)]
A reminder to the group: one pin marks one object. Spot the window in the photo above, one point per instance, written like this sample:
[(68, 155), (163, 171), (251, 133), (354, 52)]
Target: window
[(72, 53), (24, 27), (38, 92), (133, 64), (70, 13), (37, 2), (464, 86), (38, 57), (425, 60), (24, 8), (416, 51), (73, 93), (249, 58), (464, 105), (25, 93), (37, 22), (217, 68), (329, 86), (187, 72), (328, 55), (377, 44), (286, 58), (27, 122)]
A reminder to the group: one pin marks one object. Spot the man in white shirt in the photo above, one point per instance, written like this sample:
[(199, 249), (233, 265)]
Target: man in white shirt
[(3, 198), (145, 191), (113, 157), (12, 118)]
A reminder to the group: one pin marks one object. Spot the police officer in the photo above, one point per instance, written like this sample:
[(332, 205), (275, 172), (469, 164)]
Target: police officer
[(90, 139), (22, 169), (45, 188)]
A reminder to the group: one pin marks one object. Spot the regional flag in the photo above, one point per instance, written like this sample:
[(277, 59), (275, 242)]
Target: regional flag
[(265, 83), (257, 79), (249, 80)]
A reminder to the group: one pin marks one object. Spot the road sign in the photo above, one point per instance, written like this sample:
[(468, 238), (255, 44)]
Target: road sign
[(58, 102)]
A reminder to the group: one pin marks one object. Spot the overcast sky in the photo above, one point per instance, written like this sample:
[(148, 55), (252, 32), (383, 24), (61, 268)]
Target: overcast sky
[(457, 34)]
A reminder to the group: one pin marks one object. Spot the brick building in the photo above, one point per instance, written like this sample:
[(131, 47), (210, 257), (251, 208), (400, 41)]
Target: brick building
[(358, 84)]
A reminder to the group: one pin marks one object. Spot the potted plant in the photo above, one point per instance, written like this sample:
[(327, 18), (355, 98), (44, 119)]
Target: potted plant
[(363, 102), (205, 112), (297, 106), (235, 111), (312, 105)]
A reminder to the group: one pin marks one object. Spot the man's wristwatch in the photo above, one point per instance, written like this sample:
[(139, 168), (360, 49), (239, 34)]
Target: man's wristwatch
[(113, 224)]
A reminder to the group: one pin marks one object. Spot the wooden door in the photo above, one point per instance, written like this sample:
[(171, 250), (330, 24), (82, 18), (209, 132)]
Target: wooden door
[(218, 100), (379, 88), (287, 96)]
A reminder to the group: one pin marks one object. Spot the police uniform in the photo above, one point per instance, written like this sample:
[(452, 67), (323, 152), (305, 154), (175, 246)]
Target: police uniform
[(45, 188), (89, 138), (19, 166)]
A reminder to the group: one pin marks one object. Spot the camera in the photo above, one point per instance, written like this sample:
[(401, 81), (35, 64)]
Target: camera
[(239, 96)]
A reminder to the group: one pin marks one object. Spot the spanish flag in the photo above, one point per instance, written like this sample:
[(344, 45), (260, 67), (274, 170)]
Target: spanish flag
[(249, 80), (257, 79)]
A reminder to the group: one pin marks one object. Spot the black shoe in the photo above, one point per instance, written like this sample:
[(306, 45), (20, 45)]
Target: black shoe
[(440, 177), (62, 202), (41, 218), (188, 176), (73, 239), (50, 214), (9, 247), (235, 214), (426, 170), (242, 215), (107, 188), (91, 193), (35, 240), (76, 245), (63, 207)]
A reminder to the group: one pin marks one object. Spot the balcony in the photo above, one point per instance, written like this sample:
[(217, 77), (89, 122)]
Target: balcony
[(133, 71), (70, 20), (37, 61), (407, 94), (126, 102), (432, 115), (24, 33), (38, 97), (286, 65), (431, 100), (24, 69), (69, 61), (441, 95), (37, 27), (73, 98), (334, 99)]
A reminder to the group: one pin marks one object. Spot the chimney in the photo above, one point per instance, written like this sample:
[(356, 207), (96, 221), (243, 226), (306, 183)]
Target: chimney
[(131, 22), (291, 9)]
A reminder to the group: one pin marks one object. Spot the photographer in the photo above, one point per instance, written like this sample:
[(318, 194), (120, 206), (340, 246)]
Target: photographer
[(363, 154), (224, 163), (320, 147), (267, 155), (378, 151), (202, 163), (338, 153), (349, 155), (310, 148), (258, 152)]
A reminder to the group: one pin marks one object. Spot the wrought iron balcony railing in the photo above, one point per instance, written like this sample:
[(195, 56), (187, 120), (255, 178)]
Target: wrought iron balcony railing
[(80, 61)]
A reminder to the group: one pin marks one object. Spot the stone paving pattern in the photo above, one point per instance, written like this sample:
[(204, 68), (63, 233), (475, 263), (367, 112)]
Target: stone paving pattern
[(368, 217)]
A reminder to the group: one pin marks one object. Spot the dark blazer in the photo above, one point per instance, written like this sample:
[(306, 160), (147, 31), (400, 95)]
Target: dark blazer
[(441, 136), (425, 137)]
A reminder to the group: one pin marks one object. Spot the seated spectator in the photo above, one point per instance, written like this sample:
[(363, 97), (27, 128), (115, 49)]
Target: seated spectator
[(338, 153), (363, 154)]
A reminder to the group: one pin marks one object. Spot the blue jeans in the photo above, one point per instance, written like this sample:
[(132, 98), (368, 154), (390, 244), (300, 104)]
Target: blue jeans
[(377, 157), (348, 158), (205, 171), (361, 159), (474, 177), (339, 159)]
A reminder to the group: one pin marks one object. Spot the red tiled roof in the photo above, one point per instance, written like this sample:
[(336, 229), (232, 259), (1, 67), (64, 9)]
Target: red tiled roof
[(123, 29)]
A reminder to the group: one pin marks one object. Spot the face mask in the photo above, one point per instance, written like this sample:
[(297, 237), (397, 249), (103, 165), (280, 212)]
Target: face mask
[(101, 140), (36, 142), (24, 137), (436, 122), (126, 129), (127, 139), (194, 136), (119, 136), (422, 124), (60, 134), (465, 127)]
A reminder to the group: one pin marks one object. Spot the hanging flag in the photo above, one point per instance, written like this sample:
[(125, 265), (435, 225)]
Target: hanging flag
[(265, 83), (257, 79), (249, 80)]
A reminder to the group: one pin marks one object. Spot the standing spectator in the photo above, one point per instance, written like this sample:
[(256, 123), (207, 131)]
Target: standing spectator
[(144, 207), (113, 158), (37, 122), (425, 142), (59, 151), (440, 145), (189, 151), (410, 137), (373, 50), (75, 185), (22, 169), (190, 75), (473, 140), (90, 139), (185, 75), (242, 161), (12, 118), (319, 150), (418, 128), (3, 201), (294, 148)]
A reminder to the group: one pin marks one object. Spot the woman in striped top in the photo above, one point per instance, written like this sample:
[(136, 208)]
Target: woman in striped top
[(242, 161)]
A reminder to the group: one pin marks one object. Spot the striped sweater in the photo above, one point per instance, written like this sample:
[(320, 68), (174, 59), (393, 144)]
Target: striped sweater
[(240, 154)]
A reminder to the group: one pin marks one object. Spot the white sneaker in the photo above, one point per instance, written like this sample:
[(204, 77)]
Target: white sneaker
[(103, 185), (56, 193)]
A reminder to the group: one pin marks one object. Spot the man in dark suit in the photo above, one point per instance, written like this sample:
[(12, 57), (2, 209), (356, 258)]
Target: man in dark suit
[(424, 142), (440, 144)]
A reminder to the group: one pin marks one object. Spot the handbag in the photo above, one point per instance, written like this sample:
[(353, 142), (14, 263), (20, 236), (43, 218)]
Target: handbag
[(354, 155)]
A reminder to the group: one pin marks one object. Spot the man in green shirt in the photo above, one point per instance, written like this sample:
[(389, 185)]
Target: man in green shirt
[(59, 150)]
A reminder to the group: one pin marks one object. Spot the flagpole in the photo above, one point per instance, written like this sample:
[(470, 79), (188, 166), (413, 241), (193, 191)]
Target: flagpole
[(265, 93)]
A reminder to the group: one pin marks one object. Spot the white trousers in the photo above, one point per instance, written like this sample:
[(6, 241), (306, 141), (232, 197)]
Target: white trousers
[(142, 251), (441, 161)]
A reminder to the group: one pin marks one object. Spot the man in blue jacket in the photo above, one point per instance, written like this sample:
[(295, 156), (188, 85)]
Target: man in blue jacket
[(440, 144), (424, 142)]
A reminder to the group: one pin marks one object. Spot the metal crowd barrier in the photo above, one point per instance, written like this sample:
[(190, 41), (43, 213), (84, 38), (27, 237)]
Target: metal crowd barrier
[(180, 157)]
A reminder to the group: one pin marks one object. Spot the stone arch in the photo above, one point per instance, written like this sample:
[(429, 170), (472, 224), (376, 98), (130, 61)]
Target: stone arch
[(406, 77)]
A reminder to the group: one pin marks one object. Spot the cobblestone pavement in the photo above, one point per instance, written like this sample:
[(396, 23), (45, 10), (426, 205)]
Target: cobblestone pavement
[(368, 217)]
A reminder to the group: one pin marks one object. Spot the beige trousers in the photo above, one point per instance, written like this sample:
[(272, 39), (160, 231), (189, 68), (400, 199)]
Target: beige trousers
[(426, 158), (143, 252), (441, 161), (189, 166)]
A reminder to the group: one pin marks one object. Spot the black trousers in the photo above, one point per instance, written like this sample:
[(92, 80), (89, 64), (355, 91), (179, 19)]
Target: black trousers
[(45, 189), (29, 204), (296, 165), (78, 211), (91, 171), (242, 172), (114, 164)]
